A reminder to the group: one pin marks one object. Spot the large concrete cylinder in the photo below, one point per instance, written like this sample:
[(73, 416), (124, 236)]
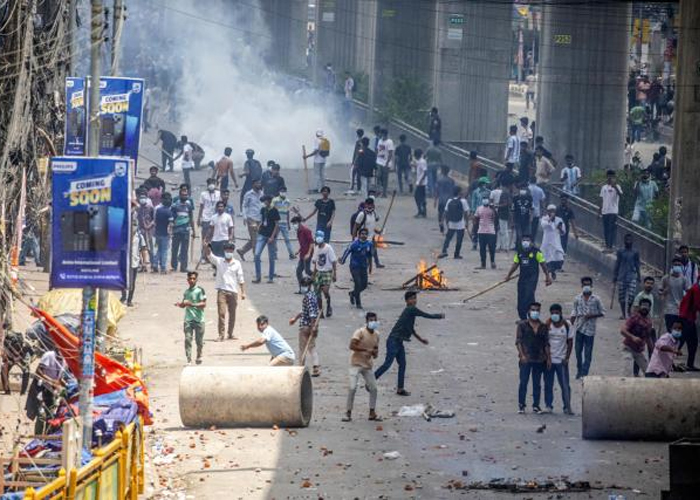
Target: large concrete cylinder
[(640, 408), (245, 396)]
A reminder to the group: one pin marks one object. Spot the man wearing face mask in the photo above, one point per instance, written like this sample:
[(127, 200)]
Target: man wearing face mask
[(222, 230), (272, 181), (478, 195), (367, 218), (306, 250), (325, 265), (456, 212), (282, 204), (308, 326), (584, 315), (364, 347), (665, 349), (183, 228), (561, 342), (552, 231), (645, 192), (636, 333), (532, 342), (627, 275), (673, 287), (485, 219), (522, 211), (529, 260), (267, 236), (145, 214), (230, 286), (251, 211), (207, 207), (360, 253)]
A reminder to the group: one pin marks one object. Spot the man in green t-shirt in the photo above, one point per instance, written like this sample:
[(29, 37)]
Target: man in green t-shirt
[(193, 302)]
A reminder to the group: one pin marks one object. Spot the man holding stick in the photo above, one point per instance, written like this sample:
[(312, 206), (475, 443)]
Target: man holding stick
[(529, 259)]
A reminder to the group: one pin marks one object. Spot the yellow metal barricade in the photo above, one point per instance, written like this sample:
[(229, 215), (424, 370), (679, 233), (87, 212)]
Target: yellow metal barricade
[(116, 472)]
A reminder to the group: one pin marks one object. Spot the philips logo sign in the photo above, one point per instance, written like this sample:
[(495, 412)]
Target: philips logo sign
[(63, 166)]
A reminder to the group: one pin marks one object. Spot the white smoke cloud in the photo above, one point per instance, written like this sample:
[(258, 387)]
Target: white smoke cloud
[(227, 95)]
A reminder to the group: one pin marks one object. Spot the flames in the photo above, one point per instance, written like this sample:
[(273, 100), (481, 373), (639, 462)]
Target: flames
[(379, 241), (430, 278)]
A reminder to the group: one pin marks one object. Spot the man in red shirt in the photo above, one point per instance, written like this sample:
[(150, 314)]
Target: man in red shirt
[(636, 333), (306, 249), (688, 311)]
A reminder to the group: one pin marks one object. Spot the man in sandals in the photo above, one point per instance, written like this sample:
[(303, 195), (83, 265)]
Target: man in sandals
[(364, 347), (308, 326)]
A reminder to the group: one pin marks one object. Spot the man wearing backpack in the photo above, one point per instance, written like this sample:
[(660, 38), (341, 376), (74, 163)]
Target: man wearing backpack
[(456, 211), (322, 149), (367, 218)]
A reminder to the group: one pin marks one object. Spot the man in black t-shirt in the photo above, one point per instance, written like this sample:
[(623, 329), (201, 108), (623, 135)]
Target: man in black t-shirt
[(167, 148), (522, 211), (566, 213), (403, 163), (325, 208), (366, 164), (267, 235)]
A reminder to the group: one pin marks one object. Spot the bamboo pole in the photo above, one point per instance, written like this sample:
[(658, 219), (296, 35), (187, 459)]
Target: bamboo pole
[(486, 290)]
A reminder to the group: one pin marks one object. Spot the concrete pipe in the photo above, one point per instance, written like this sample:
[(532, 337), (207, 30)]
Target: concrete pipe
[(640, 408), (245, 396)]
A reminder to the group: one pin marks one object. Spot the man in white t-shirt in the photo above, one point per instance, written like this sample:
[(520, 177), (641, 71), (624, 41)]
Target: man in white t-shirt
[(325, 264), (320, 153), (421, 183), (610, 194), (222, 227), (230, 286), (207, 208), (512, 154), (524, 131), (561, 341), (385, 156), (187, 162)]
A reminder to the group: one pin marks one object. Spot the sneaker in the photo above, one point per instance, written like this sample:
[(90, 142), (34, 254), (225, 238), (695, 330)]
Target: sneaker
[(567, 411), (292, 257), (352, 298), (241, 255), (403, 392), (380, 266), (442, 229), (329, 312), (536, 409), (458, 257), (548, 409), (256, 281), (442, 255), (270, 282), (493, 265), (521, 409), (199, 361)]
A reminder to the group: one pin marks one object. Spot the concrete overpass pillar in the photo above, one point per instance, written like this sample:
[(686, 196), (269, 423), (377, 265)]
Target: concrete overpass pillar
[(287, 21), (684, 223), (471, 73), (583, 82)]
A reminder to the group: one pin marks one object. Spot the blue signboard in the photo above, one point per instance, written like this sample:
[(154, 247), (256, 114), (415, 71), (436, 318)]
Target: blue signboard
[(75, 143), (90, 222), (87, 339), (121, 110)]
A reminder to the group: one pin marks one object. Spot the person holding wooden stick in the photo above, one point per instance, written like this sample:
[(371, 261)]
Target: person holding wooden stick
[(529, 259)]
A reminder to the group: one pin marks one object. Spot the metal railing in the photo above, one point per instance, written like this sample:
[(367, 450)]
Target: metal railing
[(651, 246), (116, 473)]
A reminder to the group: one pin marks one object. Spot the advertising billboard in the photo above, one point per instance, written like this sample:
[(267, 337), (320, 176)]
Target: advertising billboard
[(90, 222), (75, 143)]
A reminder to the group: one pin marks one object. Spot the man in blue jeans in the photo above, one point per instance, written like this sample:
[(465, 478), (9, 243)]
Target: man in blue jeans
[(587, 309), (183, 228), (561, 342), (403, 330), (164, 220), (267, 234), (360, 253), (532, 342)]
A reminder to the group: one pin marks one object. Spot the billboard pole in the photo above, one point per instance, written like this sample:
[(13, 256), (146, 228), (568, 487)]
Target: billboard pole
[(87, 337)]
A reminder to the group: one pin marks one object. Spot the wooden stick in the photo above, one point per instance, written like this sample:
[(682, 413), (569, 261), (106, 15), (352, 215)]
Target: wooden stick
[(612, 298), (418, 275), (492, 287), (306, 167), (386, 218)]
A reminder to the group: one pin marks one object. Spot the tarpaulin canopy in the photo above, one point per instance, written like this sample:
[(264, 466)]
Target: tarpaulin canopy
[(110, 376)]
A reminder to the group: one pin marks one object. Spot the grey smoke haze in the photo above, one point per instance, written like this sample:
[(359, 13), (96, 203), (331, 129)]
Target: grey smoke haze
[(226, 94)]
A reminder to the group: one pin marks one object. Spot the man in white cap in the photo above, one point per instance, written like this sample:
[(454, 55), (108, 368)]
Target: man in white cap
[(553, 228), (322, 149)]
